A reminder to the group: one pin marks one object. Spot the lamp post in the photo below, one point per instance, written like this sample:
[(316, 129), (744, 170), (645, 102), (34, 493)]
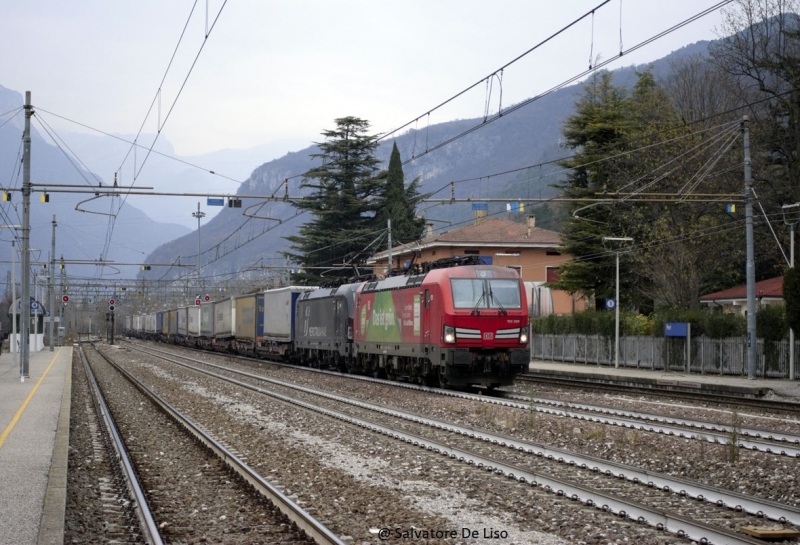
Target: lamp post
[(620, 240), (199, 215), (791, 216)]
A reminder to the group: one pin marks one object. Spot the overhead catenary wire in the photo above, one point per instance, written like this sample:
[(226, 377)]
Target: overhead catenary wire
[(485, 78), (169, 112), (564, 83), (58, 141), (16, 112), (207, 170), (149, 152)]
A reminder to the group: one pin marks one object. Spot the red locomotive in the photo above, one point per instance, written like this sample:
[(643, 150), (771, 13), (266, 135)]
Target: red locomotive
[(458, 326)]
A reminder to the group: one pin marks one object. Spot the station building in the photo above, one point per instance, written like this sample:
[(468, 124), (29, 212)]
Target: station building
[(734, 300)]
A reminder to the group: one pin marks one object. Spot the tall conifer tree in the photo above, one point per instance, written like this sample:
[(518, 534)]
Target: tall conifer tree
[(597, 127), (343, 202)]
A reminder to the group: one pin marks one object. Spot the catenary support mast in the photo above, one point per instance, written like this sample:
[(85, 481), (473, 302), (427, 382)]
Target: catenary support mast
[(25, 298), (752, 340)]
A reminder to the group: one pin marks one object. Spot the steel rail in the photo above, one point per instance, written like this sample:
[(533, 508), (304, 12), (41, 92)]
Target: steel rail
[(683, 487), (757, 433), (299, 516), (574, 382), (147, 523)]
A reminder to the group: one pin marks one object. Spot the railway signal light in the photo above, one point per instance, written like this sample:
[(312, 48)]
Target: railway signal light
[(197, 302), (111, 308), (207, 298), (65, 298)]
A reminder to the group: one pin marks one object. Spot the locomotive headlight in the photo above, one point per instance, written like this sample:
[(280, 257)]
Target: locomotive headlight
[(523, 336), (449, 334)]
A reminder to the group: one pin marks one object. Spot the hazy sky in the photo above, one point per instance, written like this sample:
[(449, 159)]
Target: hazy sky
[(284, 70)]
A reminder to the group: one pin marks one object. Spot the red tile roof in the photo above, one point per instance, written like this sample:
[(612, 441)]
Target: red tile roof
[(772, 287), (490, 231), (497, 231)]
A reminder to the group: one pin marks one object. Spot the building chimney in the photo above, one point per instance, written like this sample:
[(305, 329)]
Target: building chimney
[(428, 230), (480, 215), (531, 224)]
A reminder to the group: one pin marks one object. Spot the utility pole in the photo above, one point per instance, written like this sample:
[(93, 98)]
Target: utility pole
[(14, 343), (752, 340), (26, 239), (51, 288), (790, 217), (389, 256), (61, 292)]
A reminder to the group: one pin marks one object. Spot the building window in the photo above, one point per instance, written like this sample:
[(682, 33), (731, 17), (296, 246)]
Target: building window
[(552, 252), (551, 274), (472, 252)]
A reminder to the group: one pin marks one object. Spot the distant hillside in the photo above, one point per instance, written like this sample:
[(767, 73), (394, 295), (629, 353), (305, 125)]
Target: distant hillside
[(80, 235), (528, 136)]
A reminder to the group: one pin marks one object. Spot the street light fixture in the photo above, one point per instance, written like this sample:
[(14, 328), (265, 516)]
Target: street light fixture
[(620, 241)]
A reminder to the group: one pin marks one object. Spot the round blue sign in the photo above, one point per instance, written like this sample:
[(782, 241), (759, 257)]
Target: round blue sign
[(611, 304)]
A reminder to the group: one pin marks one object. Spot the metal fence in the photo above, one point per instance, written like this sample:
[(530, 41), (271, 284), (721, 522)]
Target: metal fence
[(708, 356)]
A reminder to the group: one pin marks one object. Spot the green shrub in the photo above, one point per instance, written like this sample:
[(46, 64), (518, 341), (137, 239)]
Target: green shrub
[(722, 325), (635, 324), (771, 323)]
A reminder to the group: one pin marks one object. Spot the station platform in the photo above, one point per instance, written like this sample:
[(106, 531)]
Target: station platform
[(679, 381), (34, 443)]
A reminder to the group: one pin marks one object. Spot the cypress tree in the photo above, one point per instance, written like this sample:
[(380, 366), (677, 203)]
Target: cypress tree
[(398, 202)]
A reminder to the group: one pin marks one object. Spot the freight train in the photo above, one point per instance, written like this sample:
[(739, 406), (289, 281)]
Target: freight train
[(456, 326)]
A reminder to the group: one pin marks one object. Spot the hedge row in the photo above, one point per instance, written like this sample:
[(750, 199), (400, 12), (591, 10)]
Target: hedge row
[(770, 323)]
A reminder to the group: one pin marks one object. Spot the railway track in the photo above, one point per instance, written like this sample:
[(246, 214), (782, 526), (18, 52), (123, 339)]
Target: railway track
[(115, 507), (687, 509), (198, 488), (758, 439), (771, 405)]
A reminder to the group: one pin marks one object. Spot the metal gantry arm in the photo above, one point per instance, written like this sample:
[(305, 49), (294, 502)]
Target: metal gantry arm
[(246, 214)]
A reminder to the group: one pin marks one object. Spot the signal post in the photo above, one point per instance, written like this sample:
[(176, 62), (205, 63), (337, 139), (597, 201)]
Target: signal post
[(110, 316)]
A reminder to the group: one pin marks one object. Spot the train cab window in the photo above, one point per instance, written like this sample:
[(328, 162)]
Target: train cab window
[(504, 293), (485, 293)]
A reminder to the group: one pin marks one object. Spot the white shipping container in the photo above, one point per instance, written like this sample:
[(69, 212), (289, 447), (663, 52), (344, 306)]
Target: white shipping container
[(182, 322), (193, 321), (224, 318), (150, 323), (207, 319)]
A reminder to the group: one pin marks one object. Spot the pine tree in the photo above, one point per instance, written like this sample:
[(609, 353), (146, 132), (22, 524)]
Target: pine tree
[(399, 202), (343, 200)]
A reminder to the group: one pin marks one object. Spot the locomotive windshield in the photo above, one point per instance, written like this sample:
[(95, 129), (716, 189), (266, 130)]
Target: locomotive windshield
[(483, 293)]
